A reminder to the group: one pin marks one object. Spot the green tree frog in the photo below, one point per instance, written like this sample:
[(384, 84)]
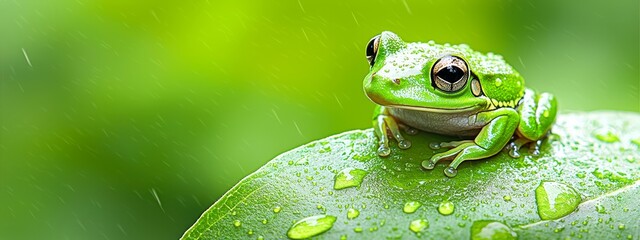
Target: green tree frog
[(452, 90)]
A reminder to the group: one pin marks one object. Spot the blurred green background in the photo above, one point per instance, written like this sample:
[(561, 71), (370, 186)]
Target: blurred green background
[(127, 119)]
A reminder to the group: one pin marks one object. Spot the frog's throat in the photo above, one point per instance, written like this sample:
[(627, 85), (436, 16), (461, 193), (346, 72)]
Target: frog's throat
[(437, 110)]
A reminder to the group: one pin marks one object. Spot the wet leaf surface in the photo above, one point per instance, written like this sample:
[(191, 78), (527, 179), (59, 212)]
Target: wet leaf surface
[(299, 185)]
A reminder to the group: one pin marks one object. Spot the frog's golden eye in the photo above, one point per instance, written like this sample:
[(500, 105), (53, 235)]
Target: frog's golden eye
[(449, 74), (372, 49)]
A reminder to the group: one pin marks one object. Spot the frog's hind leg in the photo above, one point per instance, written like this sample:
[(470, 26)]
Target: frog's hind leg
[(451, 144), (473, 152), (430, 164), (500, 126)]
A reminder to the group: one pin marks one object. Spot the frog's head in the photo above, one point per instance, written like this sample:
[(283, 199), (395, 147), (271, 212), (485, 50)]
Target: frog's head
[(420, 76)]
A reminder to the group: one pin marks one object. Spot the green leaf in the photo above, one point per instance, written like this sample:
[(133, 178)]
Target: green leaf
[(497, 197)]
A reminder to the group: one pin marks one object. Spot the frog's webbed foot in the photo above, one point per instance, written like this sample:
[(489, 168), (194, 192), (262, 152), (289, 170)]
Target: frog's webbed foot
[(534, 148), (382, 124), (514, 147)]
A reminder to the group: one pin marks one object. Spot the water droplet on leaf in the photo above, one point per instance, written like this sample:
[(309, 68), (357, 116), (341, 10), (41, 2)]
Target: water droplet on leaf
[(446, 208), (349, 177), (487, 230), (606, 135), (418, 225), (311, 226), (556, 200), (600, 209), (277, 209), (352, 213), (411, 207)]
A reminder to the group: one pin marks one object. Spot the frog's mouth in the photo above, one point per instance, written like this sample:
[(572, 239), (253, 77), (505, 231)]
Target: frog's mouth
[(477, 106), (436, 110)]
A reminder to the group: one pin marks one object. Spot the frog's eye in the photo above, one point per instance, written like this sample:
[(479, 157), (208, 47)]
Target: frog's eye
[(372, 49), (449, 74)]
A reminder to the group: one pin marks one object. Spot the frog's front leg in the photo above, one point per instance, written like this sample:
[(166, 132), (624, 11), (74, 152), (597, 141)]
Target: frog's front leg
[(383, 121), (499, 126), (537, 114)]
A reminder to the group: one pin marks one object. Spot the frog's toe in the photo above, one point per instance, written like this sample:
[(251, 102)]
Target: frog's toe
[(451, 144), (411, 131), (534, 149), (513, 149), (450, 172), (384, 151), (428, 164), (404, 144), (514, 153)]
